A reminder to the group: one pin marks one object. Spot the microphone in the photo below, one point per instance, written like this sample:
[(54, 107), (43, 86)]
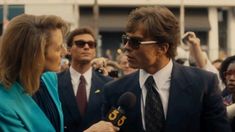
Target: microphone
[(117, 116)]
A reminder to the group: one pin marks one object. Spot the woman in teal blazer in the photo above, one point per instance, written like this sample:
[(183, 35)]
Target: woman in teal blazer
[(19, 112), (30, 46)]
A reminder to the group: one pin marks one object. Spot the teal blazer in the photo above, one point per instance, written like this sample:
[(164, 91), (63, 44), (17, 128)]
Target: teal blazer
[(19, 112)]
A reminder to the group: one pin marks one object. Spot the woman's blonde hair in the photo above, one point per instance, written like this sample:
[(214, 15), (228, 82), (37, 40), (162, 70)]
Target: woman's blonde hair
[(23, 49)]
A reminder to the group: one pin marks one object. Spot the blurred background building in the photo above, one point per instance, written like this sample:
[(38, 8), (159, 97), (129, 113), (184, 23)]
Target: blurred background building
[(212, 20)]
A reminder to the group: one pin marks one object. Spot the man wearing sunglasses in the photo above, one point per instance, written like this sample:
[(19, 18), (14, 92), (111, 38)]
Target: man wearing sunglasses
[(170, 97), (80, 87)]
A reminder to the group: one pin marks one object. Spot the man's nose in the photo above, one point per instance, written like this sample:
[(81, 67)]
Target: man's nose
[(127, 47)]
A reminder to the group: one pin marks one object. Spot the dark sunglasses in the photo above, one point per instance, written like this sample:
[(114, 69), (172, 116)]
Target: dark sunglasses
[(135, 42), (229, 73), (82, 43)]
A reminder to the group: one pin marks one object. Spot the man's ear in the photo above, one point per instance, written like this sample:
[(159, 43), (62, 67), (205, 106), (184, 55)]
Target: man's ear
[(164, 48)]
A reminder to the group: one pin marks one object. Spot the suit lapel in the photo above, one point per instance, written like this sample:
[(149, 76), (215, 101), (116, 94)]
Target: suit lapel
[(135, 113), (29, 107), (180, 98), (95, 91), (69, 97), (54, 95)]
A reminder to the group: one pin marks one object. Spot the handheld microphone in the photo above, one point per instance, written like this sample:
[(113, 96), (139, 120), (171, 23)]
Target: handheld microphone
[(117, 116)]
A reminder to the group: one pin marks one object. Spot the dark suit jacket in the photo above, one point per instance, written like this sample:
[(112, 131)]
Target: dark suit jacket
[(72, 118), (194, 105)]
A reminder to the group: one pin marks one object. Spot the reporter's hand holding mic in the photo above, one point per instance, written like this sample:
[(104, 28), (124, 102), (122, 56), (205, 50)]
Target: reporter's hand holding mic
[(117, 116), (102, 126)]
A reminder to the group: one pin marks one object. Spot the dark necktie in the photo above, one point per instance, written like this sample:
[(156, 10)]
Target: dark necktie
[(154, 115), (81, 96)]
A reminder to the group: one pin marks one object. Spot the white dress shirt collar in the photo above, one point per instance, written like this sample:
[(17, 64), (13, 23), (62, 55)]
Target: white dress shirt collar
[(160, 77), (75, 76)]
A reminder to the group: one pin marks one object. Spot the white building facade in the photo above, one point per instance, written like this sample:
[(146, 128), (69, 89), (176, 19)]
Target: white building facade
[(214, 20)]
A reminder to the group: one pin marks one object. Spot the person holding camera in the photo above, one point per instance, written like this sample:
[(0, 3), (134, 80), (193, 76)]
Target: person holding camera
[(80, 86), (100, 64)]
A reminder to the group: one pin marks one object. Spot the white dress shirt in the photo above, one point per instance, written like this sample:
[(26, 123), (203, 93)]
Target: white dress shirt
[(75, 76), (162, 79)]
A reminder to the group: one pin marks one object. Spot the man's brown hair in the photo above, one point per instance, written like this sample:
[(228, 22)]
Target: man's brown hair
[(158, 23), (79, 31)]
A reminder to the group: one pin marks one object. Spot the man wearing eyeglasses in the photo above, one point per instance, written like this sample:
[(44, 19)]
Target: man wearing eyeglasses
[(80, 87), (170, 97)]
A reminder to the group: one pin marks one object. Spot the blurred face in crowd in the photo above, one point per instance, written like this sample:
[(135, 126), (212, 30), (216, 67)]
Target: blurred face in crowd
[(83, 49), (124, 65), (230, 77), (54, 51)]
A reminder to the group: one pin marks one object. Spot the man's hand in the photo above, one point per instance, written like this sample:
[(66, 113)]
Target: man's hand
[(102, 126), (192, 39), (100, 65)]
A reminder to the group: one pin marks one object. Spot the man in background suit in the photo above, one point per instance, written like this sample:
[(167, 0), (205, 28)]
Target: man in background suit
[(170, 97), (80, 87)]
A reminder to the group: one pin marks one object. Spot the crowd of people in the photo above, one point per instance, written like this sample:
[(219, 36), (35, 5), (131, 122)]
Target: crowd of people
[(46, 86)]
